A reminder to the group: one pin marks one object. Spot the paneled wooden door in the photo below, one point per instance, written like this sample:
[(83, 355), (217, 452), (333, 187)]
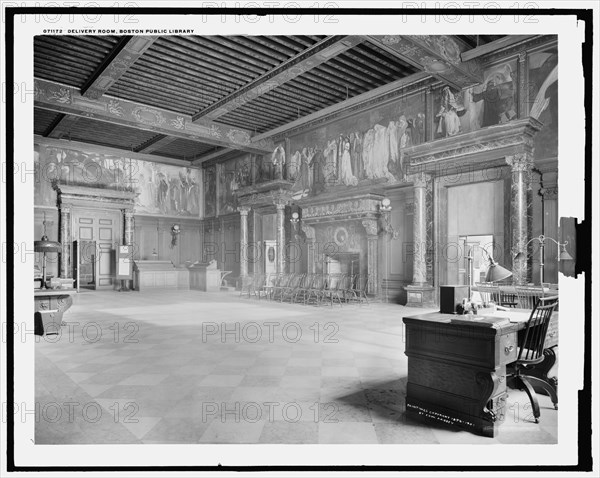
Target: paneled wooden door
[(104, 228)]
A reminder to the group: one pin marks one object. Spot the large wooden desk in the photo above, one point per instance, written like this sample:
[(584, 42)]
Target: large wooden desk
[(457, 372), (50, 305)]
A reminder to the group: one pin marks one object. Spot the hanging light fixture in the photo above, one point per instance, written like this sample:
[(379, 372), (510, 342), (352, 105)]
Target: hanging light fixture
[(45, 246)]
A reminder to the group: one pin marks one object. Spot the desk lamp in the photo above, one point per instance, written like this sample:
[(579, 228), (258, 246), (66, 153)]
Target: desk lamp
[(495, 272), (45, 246), (563, 255)]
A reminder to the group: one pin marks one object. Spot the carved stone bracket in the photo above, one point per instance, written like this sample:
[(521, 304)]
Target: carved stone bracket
[(371, 226), (309, 232)]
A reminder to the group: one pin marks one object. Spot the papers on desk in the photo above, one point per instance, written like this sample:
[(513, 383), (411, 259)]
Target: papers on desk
[(481, 321)]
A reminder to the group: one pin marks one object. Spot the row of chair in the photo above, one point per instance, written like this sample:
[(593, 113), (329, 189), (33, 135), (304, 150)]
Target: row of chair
[(307, 288), (522, 297)]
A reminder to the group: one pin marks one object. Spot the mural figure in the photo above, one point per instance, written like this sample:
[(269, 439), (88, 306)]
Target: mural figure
[(331, 162), (498, 97), (293, 166), (346, 176), (418, 132), (163, 192), (367, 153), (278, 160), (306, 168), (356, 154), (210, 188), (450, 110)]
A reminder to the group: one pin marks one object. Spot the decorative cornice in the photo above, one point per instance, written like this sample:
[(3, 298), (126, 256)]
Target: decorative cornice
[(81, 195), (352, 208), (518, 48), (480, 148)]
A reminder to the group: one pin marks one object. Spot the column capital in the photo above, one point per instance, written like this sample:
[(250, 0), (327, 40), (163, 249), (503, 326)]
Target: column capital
[(371, 226), (65, 208), (522, 56), (309, 231), (519, 162), (280, 204), (419, 180), (129, 212), (243, 210), (549, 193)]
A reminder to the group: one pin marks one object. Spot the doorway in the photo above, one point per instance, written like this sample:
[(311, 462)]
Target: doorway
[(97, 234), (478, 246)]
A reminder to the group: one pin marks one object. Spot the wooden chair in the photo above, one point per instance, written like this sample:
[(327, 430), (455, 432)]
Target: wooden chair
[(333, 289), (489, 292), (531, 353), (316, 289), (528, 295), (247, 285), (358, 291), (291, 289)]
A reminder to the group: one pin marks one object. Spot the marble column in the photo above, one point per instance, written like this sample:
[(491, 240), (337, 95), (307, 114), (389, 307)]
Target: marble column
[(420, 293), (280, 236), (429, 116), (243, 210), (372, 228), (520, 215), (66, 240), (549, 193), (309, 232)]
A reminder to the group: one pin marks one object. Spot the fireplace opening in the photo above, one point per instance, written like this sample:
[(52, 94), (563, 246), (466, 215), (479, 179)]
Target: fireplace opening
[(342, 263)]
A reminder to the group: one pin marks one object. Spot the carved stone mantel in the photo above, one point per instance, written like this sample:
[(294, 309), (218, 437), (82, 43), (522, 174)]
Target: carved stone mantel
[(365, 206)]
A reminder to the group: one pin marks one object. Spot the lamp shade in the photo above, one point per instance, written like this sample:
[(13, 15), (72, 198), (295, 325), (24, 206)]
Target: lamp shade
[(46, 246), (496, 272), (564, 255)]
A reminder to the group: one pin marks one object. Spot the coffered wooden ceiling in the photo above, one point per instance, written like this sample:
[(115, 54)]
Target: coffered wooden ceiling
[(194, 98)]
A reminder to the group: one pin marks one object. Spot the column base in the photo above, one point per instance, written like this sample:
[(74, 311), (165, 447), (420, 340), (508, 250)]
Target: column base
[(420, 295)]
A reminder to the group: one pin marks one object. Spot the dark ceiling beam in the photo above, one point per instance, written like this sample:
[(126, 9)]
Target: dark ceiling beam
[(495, 45), (211, 156), (157, 142), (61, 127), (299, 64), (66, 99), (116, 64), (438, 55), (105, 149)]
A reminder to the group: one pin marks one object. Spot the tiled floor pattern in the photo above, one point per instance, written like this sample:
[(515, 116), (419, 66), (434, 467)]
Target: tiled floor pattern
[(193, 367)]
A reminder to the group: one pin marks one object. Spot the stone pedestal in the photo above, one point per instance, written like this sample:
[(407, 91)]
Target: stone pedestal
[(420, 295)]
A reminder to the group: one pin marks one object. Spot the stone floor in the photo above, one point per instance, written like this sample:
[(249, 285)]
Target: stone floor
[(193, 367)]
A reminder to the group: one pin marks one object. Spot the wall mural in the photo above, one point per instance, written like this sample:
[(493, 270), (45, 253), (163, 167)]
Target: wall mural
[(543, 96), (163, 189), (234, 174), (356, 151), (210, 191), (166, 190), (490, 103)]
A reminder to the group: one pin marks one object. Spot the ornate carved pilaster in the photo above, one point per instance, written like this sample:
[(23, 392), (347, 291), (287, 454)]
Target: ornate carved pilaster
[(280, 206), (549, 194), (243, 240), (129, 226), (520, 213), (523, 92), (372, 228), (66, 240), (310, 234)]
